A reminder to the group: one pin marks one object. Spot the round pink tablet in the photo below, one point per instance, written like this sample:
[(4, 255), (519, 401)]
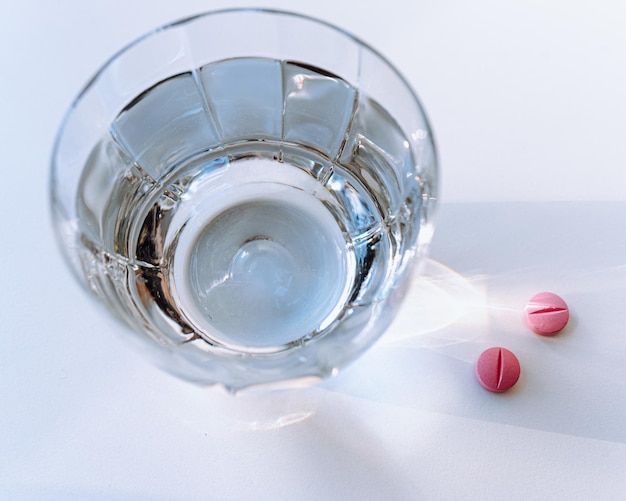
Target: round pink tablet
[(497, 369), (546, 313)]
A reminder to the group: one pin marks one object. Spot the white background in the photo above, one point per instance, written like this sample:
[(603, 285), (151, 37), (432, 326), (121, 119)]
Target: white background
[(527, 102)]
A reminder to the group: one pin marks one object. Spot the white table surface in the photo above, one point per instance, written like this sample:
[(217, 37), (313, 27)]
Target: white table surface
[(527, 102)]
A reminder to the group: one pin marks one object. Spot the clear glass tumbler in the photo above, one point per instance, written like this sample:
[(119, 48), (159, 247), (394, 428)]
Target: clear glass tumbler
[(248, 190)]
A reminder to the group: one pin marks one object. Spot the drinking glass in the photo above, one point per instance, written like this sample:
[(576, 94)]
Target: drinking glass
[(248, 190)]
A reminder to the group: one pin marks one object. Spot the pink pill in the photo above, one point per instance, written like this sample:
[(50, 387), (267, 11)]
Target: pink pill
[(497, 369), (546, 313)]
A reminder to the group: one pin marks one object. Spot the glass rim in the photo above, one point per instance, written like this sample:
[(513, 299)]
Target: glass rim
[(232, 10)]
